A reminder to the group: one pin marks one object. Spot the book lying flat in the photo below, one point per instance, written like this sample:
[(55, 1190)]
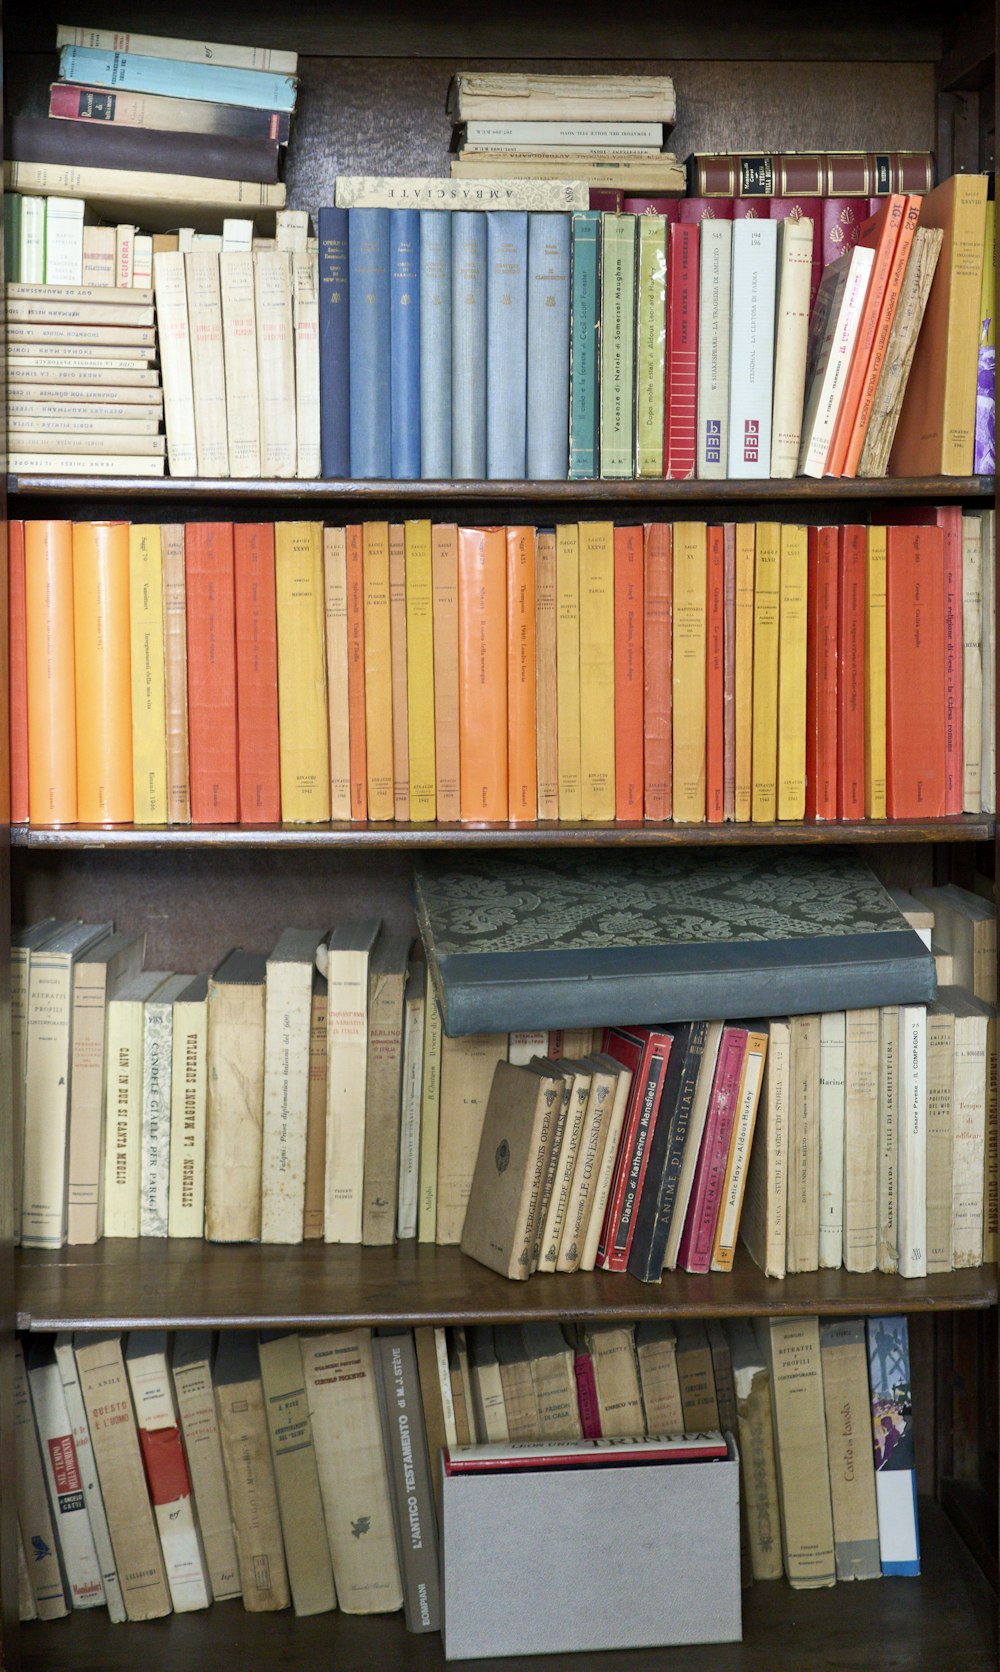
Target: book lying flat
[(567, 941), (576, 1454)]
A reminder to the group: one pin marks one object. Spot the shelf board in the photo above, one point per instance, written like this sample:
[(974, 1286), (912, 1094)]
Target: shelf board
[(800, 489), (944, 1618), (150, 1284), (968, 827)]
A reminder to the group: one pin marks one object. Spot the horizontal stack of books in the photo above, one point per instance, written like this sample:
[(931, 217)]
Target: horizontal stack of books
[(417, 671)]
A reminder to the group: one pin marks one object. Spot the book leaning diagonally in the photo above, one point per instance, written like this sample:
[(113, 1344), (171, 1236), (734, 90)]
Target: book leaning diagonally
[(33, 1513), (832, 333), (87, 1468), (287, 1008), (64, 1479), (347, 1051)]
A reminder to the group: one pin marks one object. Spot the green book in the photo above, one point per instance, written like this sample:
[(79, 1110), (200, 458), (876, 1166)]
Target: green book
[(618, 243), (650, 345)]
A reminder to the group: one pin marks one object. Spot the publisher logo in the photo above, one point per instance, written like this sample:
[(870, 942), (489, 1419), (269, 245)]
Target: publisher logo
[(713, 441), (751, 441)]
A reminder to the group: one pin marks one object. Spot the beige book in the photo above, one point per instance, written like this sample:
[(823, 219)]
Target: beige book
[(157, 1075), (972, 1094), (832, 1036), (546, 718), (159, 196), (430, 1118), (168, 46), (411, 192), (554, 1377), (188, 1110), (170, 1487), (347, 1435), (208, 372), (73, 1398), (239, 338), (23, 942), (656, 1356), (315, 1190), (696, 1376), (414, 1008), (847, 1400), (275, 363), (941, 1067), (123, 337), (291, 229), (918, 916), (246, 1455), (235, 1098), (917, 280), (83, 464), (501, 1225), (33, 387), (593, 1138), (44, 310), (972, 663), (142, 261), (104, 419), (98, 258), (432, 1399), (115, 1440), (519, 1398), (606, 1171), (990, 1205), (175, 672), (444, 585), (569, 1144), (335, 595), (27, 1607), (911, 1141), (755, 1436), (383, 1080), (616, 1378), (988, 727), (861, 1088), (348, 956), (888, 1110), (467, 1066), (400, 693), (303, 1523), (792, 1354), (123, 1103), (305, 316), (33, 1512), (791, 333), (460, 1378), (97, 977), (82, 437), (287, 1019), (802, 1224), (175, 362), (73, 358), (487, 1386), (191, 1367), (966, 926), (522, 1046), (237, 236)]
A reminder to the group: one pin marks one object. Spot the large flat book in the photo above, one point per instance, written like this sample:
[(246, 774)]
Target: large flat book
[(572, 941)]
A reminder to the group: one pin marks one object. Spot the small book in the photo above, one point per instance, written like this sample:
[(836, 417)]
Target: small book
[(501, 1219)]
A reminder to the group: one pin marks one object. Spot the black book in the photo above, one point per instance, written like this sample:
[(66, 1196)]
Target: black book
[(40, 139), (663, 1169)]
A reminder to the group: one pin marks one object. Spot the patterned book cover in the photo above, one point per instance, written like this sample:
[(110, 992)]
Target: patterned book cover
[(892, 1436)]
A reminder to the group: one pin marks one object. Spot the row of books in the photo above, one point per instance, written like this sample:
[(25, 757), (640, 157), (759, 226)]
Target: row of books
[(216, 673), (160, 1472)]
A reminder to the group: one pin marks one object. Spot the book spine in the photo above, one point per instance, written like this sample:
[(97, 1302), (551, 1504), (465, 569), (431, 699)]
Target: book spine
[(378, 672), (347, 1055), (714, 308), (410, 1476), (235, 1111), (689, 658), (211, 673), (305, 324), (628, 696), (508, 264), (383, 1078), (149, 746), (970, 1123), (680, 442), (217, 83), (64, 1479), (752, 350), (874, 655), (93, 1498), (658, 1202), (303, 752), (315, 1185), (275, 363), (296, 1474), (178, 798), (369, 310), (888, 1114), (17, 654), (584, 420), (546, 719), (617, 345), (795, 274), (338, 715), (334, 343), (468, 345), (63, 241), (435, 345), (548, 372), (188, 1113), (586, 1395), (522, 767), (154, 1173), (822, 646), (175, 362), (482, 671), (103, 676), (169, 1483), (51, 676), (287, 1015), (912, 1141), (256, 672), (357, 741), (715, 676), (421, 764), (895, 1475), (430, 1112), (698, 1236), (597, 670), (791, 711), (33, 1512), (735, 1178), (729, 673), (400, 693), (965, 692), (658, 671), (915, 673), (984, 442), (568, 669), (207, 364), (881, 236), (252, 1494), (404, 344), (811, 174), (98, 144), (444, 577), (415, 998), (850, 674), (85, 105), (619, 1225), (650, 348), (880, 344)]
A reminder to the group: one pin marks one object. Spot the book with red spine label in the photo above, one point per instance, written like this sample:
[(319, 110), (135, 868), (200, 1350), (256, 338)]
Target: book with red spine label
[(698, 1236), (851, 672), (809, 173), (821, 675), (504, 1456), (645, 1052), (680, 424)]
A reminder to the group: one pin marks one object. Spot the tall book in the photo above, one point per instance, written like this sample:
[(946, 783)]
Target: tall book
[(412, 1496), (33, 1513), (792, 1353), (149, 740), (302, 696), (378, 671), (467, 1068), (191, 1368), (791, 335), (124, 1102), (892, 1425), (236, 991), (188, 1110), (64, 1479), (157, 1075), (239, 1401), (287, 1019), (435, 344), (482, 671), (690, 608), (387, 971), (755, 244), (585, 412), (548, 347), (275, 363), (208, 375), (101, 632), (507, 269), (714, 303), (239, 342), (597, 670), (256, 673), (852, 1475), (468, 344), (175, 691), (758, 1473), (650, 345), (680, 422), (73, 1399), (166, 1469), (211, 651), (369, 338), (334, 343), (286, 1407), (348, 957), (617, 345), (404, 343)]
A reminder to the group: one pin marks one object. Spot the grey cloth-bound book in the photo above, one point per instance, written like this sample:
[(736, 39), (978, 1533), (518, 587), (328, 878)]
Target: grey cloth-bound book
[(565, 940)]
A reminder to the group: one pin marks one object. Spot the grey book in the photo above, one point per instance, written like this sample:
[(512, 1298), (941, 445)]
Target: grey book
[(413, 1512), (565, 940)]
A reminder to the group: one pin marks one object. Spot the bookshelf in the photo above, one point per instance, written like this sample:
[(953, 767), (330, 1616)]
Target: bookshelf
[(907, 75)]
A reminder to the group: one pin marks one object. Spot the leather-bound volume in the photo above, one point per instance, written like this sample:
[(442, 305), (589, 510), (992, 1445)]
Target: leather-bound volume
[(809, 173), (211, 644)]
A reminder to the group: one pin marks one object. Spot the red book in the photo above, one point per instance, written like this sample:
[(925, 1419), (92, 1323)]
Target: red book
[(357, 739), (822, 645), (729, 674), (915, 673), (629, 781), (256, 673), (840, 225), (880, 342), (211, 652), (797, 209), (851, 672), (606, 198), (698, 1236), (680, 425), (557, 1043), (671, 208), (751, 208), (646, 1052), (816, 173), (18, 658), (715, 677), (586, 1394), (695, 209), (658, 754), (881, 234)]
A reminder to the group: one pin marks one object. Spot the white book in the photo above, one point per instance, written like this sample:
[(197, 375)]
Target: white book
[(861, 1077), (275, 363), (521, 1047), (142, 261), (415, 1001), (239, 336), (170, 1487), (291, 229), (94, 1498), (305, 312), (346, 1066), (157, 1072), (123, 1103), (208, 370), (185, 240), (124, 256), (25, 463), (191, 1365), (940, 1133), (175, 361), (888, 1118), (972, 663), (912, 1140), (791, 341), (189, 52), (412, 192), (832, 1032), (237, 236), (969, 1104), (97, 977), (64, 240), (206, 243), (188, 1110), (715, 283), (751, 347), (832, 333), (63, 1479), (33, 1511), (287, 1009), (32, 269), (988, 786)]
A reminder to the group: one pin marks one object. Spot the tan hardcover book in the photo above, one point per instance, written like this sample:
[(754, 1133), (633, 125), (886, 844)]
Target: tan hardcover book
[(546, 717), (940, 1133), (275, 363), (501, 1220), (593, 1138), (98, 976), (400, 704), (246, 1455), (72, 358), (755, 1437), (305, 322), (378, 672), (461, 1387), (239, 338), (175, 362), (303, 1524), (115, 1439), (431, 1398), (188, 1110), (347, 1435), (616, 1377), (467, 1066), (861, 1086), (81, 438), (921, 266), (972, 663), (235, 1098), (383, 1080), (520, 1401), (556, 1207), (966, 926), (65, 425), (83, 464), (802, 1228), (656, 1356), (972, 1093), (411, 192), (335, 592), (444, 578), (554, 1377), (33, 386), (315, 1186), (123, 1103), (33, 1512), (696, 1376), (347, 958), (847, 1399), (208, 372), (792, 1353), (487, 1386), (102, 414), (888, 1105), (606, 1171), (191, 1367), (287, 1023)]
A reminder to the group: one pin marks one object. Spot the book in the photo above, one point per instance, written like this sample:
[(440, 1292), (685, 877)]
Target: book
[(467, 1067), (911, 1142), (585, 305), (880, 233), (157, 1064), (714, 301), (861, 1092), (211, 657), (792, 1352), (166, 1470), (680, 437), (33, 1513), (469, 343), (387, 974), (482, 673), (430, 1112), (809, 174), (502, 1215), (124, 1094), (852, 1475), (915, 673), (236, 992), (507, 269), (369, 343), (804, 1155), (412, 1498), (506, 96), (758, 1473), (404, 343), (188, 1110), (101, 662), (597, 672), (616, 378), (347, 965), (302, 696), (259, 792), (63, 1477), (548, 347), (411, 1090), (303, 1527), (791, 332), (191, 1368), (790, 796), (287, 1018), (892, 1422), (650, 346), (659, 1199), (887, 400), (435, 344), (409, 192), (239, 1401), (688, 662), (851, 624), (754, 267), (275, 363), (833, 330), (87, 1472), (834, 1163)]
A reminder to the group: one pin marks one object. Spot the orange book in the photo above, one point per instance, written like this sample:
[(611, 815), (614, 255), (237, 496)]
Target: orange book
[(853, 564), (17, 811), (546, 682), (444, 579), (256, 673), (48, 632), (715, 677), (629, 673), (881, 234), (400, 703), (522, 760), (689, 599), (378, 671), (915, 673), (356, 670), (876, 359), (175, 667), (102, 654), (657, 644), (211, 642), (821, 675), (482, 673)]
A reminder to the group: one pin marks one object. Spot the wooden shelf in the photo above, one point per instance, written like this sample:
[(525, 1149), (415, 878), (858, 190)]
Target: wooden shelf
[(946, 1618), (169, 1284)]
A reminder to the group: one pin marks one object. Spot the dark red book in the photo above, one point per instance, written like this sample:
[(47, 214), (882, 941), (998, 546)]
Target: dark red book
[(853, 556), (586, 1394), (915, 673), (256, 674), (809, 173), (751, 208), (822, 645), (693, 210), (37, 139), (211, 651), (606, 198), (680, 425), (17, 652), (646, 1051), (841, 220), (669, 207)]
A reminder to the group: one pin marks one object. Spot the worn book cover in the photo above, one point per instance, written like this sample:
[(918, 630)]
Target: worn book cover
[(239, 1399), (852, 1474), (303, 1525), (502, 1212), (398, 1384)]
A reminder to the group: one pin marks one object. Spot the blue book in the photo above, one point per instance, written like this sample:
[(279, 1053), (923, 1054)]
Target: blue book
[(584, 407), (334, 343), (506, 344), (468, 345), (435, 344), (368, 311), (548, 347), (178, 79), (404, 338)]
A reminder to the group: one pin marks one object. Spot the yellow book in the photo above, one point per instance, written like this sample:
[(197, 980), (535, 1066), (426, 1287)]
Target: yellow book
[(568, 669), (420, 672), (335, 569), (743, 695), (792, 672), (875, 766), (378, 672), (149, 721), (597, 670), (303, 733), (689, 647), (766, 602)]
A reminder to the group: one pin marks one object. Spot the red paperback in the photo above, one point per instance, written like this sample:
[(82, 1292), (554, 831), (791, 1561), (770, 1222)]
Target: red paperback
[(680, 426), (698, 1236)]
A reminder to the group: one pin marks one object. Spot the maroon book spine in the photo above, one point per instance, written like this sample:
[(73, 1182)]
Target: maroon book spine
[(586, 1395), (695, 209), (606, 198), (810, 173), (680, 427), (671, 208), (841, 219)]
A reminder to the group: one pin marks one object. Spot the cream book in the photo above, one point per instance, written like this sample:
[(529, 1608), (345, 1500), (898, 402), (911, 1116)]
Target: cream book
[(715, 254), (554, 1377), (89, 1482), (593, 1138), (763, 1225), (791, 334), (123, 1103), (414, 1010), (188, 1110), (387, 972), (347, 958), (911, 1129), (166, 1469), (972, 1092), (235, 1098), (580, 1077), (606, 1171), (696, 1376), (246, 1454), (792, 1353), (305, 320), (802, 1225), (941, 1066), (239, 339), (287, 1013), (63, 1478), (175, 362), (832, 1160), (755, 1434), (289, 1426), (191, 1367), (409, 192), (616, 1378), (98, 975), (832, 332), (501, 1219), (847, 1400), (23, 943), (467, 1067), (487, 1386), (656, 1356), (888, 1114), (275, 363), (116, 190), (157, 1073), (208, 371)]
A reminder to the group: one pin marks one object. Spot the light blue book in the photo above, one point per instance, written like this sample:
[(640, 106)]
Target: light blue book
[(178, 79), (468, 345), (506, 343), (584, 411), (548, 347), (435, 344), (404, 309), (368, 303)]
